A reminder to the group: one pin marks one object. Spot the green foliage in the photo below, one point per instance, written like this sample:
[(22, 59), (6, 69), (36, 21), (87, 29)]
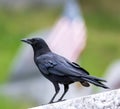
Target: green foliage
[(101, 50), (6, 103), (103, 42)]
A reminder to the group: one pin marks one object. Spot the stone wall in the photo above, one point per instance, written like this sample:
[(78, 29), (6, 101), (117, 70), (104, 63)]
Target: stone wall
[(105, 100)]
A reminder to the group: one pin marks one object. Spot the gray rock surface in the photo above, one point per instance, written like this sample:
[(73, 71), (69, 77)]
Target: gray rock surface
[(105, 100)]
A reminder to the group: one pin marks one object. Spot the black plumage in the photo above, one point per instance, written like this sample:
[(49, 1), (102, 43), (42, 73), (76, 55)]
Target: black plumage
[(58, 69)]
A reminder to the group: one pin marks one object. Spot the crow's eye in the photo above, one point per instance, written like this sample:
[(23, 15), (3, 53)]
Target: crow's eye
[(33, 40)]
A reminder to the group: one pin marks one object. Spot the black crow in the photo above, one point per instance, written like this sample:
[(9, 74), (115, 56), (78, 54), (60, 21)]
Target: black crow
[(58, 69)]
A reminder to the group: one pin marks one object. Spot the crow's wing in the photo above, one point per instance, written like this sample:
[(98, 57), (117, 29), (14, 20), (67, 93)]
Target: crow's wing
[(51, 63), (78, 67)]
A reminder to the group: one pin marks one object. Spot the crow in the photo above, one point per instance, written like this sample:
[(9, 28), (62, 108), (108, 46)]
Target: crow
[(58, 69)]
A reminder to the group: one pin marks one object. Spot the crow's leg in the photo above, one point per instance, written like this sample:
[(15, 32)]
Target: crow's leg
[(57, 88), (66, 87)]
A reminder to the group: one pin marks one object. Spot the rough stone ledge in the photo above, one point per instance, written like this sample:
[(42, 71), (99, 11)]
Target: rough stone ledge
[(105, 100)]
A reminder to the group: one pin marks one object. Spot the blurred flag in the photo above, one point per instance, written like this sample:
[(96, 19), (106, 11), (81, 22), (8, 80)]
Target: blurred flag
[(68, 36)]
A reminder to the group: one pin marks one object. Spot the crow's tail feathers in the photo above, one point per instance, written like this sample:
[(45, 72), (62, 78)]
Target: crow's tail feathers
[(94, 80)]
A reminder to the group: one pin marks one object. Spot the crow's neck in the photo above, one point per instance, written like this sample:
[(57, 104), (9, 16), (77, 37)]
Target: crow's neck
[(40, 51)]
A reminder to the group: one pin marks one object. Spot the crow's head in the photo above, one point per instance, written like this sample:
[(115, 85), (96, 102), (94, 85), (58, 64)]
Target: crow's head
[(38, 44), (34, 41)]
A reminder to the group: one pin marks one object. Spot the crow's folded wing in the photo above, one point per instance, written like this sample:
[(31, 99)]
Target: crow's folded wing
[(54, 64), (78, 67)]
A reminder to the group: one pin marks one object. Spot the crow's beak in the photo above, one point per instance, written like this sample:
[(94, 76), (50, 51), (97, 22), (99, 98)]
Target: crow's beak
[(26, 41)]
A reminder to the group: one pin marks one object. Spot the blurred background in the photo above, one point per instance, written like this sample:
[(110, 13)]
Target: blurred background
[(20, 18)]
